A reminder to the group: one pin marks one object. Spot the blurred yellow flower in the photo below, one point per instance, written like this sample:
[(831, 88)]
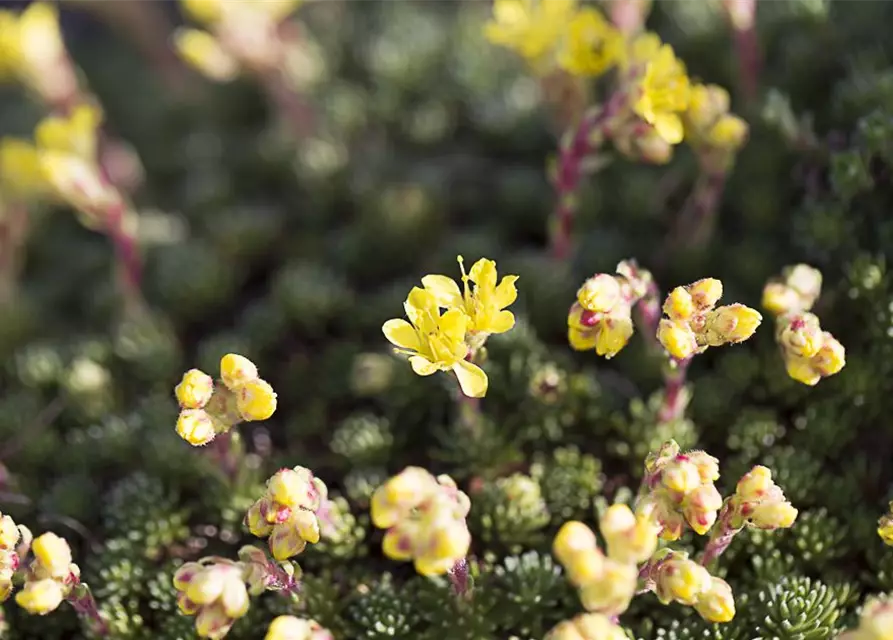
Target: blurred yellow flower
[(664, 94), (592, 46), (21, 174), (532, 28)]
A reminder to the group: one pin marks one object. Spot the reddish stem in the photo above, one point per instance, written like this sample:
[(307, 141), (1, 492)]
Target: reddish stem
[(720, 540), (459, 578), (126, 250), (742, 16), (673, 406), (82, 601), (569, 172)]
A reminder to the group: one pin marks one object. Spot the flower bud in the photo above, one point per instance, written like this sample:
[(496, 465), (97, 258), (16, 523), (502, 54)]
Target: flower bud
[(194, 390), (729, 132), (572, 538), (706, 104), (701, 507), (682, 580), (806, 281), (680, 476), (755, 483), (679, 304), (731, 324), (613, 590), (629, 538), (885, 527), (599, 293), (773, 515), (293, 628), (801, 335), (236, 370), (588, 626), (679, 340), (9, 533), (53, 555), (293, 488), (708, 466), (195, 427), (705, 293), (612, 335), (40, 597), (779, 298), (717, 603), (802, 370), (256, 400), (831, 358)]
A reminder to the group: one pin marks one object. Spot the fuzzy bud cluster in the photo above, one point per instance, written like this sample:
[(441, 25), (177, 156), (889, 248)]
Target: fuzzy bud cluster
[(681, 489), (606, 583), (207, 409), (708, 122), (293, 628), (809, 353), (601, 318), (693, 323), (287, 513), (759, 502), (875, 621), (588, 626), (50, 577), (214, 591), (676, 578), (425, 519)]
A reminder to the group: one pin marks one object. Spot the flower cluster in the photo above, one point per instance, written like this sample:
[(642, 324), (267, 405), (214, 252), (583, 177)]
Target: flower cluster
[(292, 628), (875, 621), (207, 409), (448, 326), (606, 583), (693, 324), (759, 502), (676, 578), (425, 520), (287, 512), (809, 353), (708, 122), (50, 577), (242, 35), (587, 626), (214, 591), (680, 489), (33, 52)]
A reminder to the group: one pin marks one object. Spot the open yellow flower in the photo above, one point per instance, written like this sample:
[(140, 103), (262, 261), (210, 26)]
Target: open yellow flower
[(484, 305), (435, 342), (593, 45), (532, 28), (665, 94)]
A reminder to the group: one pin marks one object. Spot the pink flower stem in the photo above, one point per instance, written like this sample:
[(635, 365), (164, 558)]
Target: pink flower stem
[(459, 579), (742, 16), (673, 406), (720, 539), (83, 602), (569, 172), (126, 255)]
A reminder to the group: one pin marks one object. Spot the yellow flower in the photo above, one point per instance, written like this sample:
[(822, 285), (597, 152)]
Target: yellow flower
[(485, 305), (435, 342), (731, 324), (21, 174), (532, 28), (587, 626), (664, 94), (679, 304), (600, 293), (613, 590), (214, 590), (593, 45), (831, 358), (716, 604), (642, 49), (9, 533), (204, 53), (678, 339), (195, 427), (194, 390), (443, 547), (292, 628), (40, 597), (53, 555), (801, 335), (75, 135), (256, 400), (681, 579)]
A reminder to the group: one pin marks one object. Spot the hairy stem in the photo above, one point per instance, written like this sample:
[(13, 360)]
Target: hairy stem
[(674, 402), (569, 172)]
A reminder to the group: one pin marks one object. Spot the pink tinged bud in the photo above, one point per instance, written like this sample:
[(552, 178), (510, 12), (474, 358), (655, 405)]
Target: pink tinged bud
[(701, 508), (705, 293), (678, 339), (213, 622), (207, 585), (307, 525), (732, 324), (194, 390), (802, 336), (286, 542), (185, 574), (195, 427), (806, 281), (680, 477), (590, 318), (234, 598), (831, 358), (708, 466), (600, 293), (289, 487), (256, 519), (755, 483), (681, 580), (679, 305), (717, 603)]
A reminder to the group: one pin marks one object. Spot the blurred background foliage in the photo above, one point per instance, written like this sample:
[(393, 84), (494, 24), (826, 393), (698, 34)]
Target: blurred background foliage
[(430, 142)]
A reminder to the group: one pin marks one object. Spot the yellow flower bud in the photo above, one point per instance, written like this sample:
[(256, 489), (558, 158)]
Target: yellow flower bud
[(701, 507), (585, 566), (599, 293), (612, 592), (806, 281), (754, 484), (256, 400), (679, 340), (9, 533), (53, 554), (680, 476), (572, 538), (292, 628), (729, 132), (236, 370), (801, 335), (831, 358), (708, 466), (40, 597), (629, 538), (682, 580), (779, 298), (705, 293), (289, 487), (612, 335), (398, 544), (203, 52), (731, 324), (194, 390), (773, 515), (717, 603), (444, 548), (195, 427), (679, 304), (885, 528), (588, 626), (802, 370)]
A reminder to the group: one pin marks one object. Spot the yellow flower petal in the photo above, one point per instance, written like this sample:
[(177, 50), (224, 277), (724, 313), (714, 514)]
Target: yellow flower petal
[(483, 273), (39, 34), (202, 51), (422, 366), (445, 290), (669, 127), (580, 339), (506, 293), (401, 333), (472, 379), (501, 322), (204, 11), (453, 325)]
